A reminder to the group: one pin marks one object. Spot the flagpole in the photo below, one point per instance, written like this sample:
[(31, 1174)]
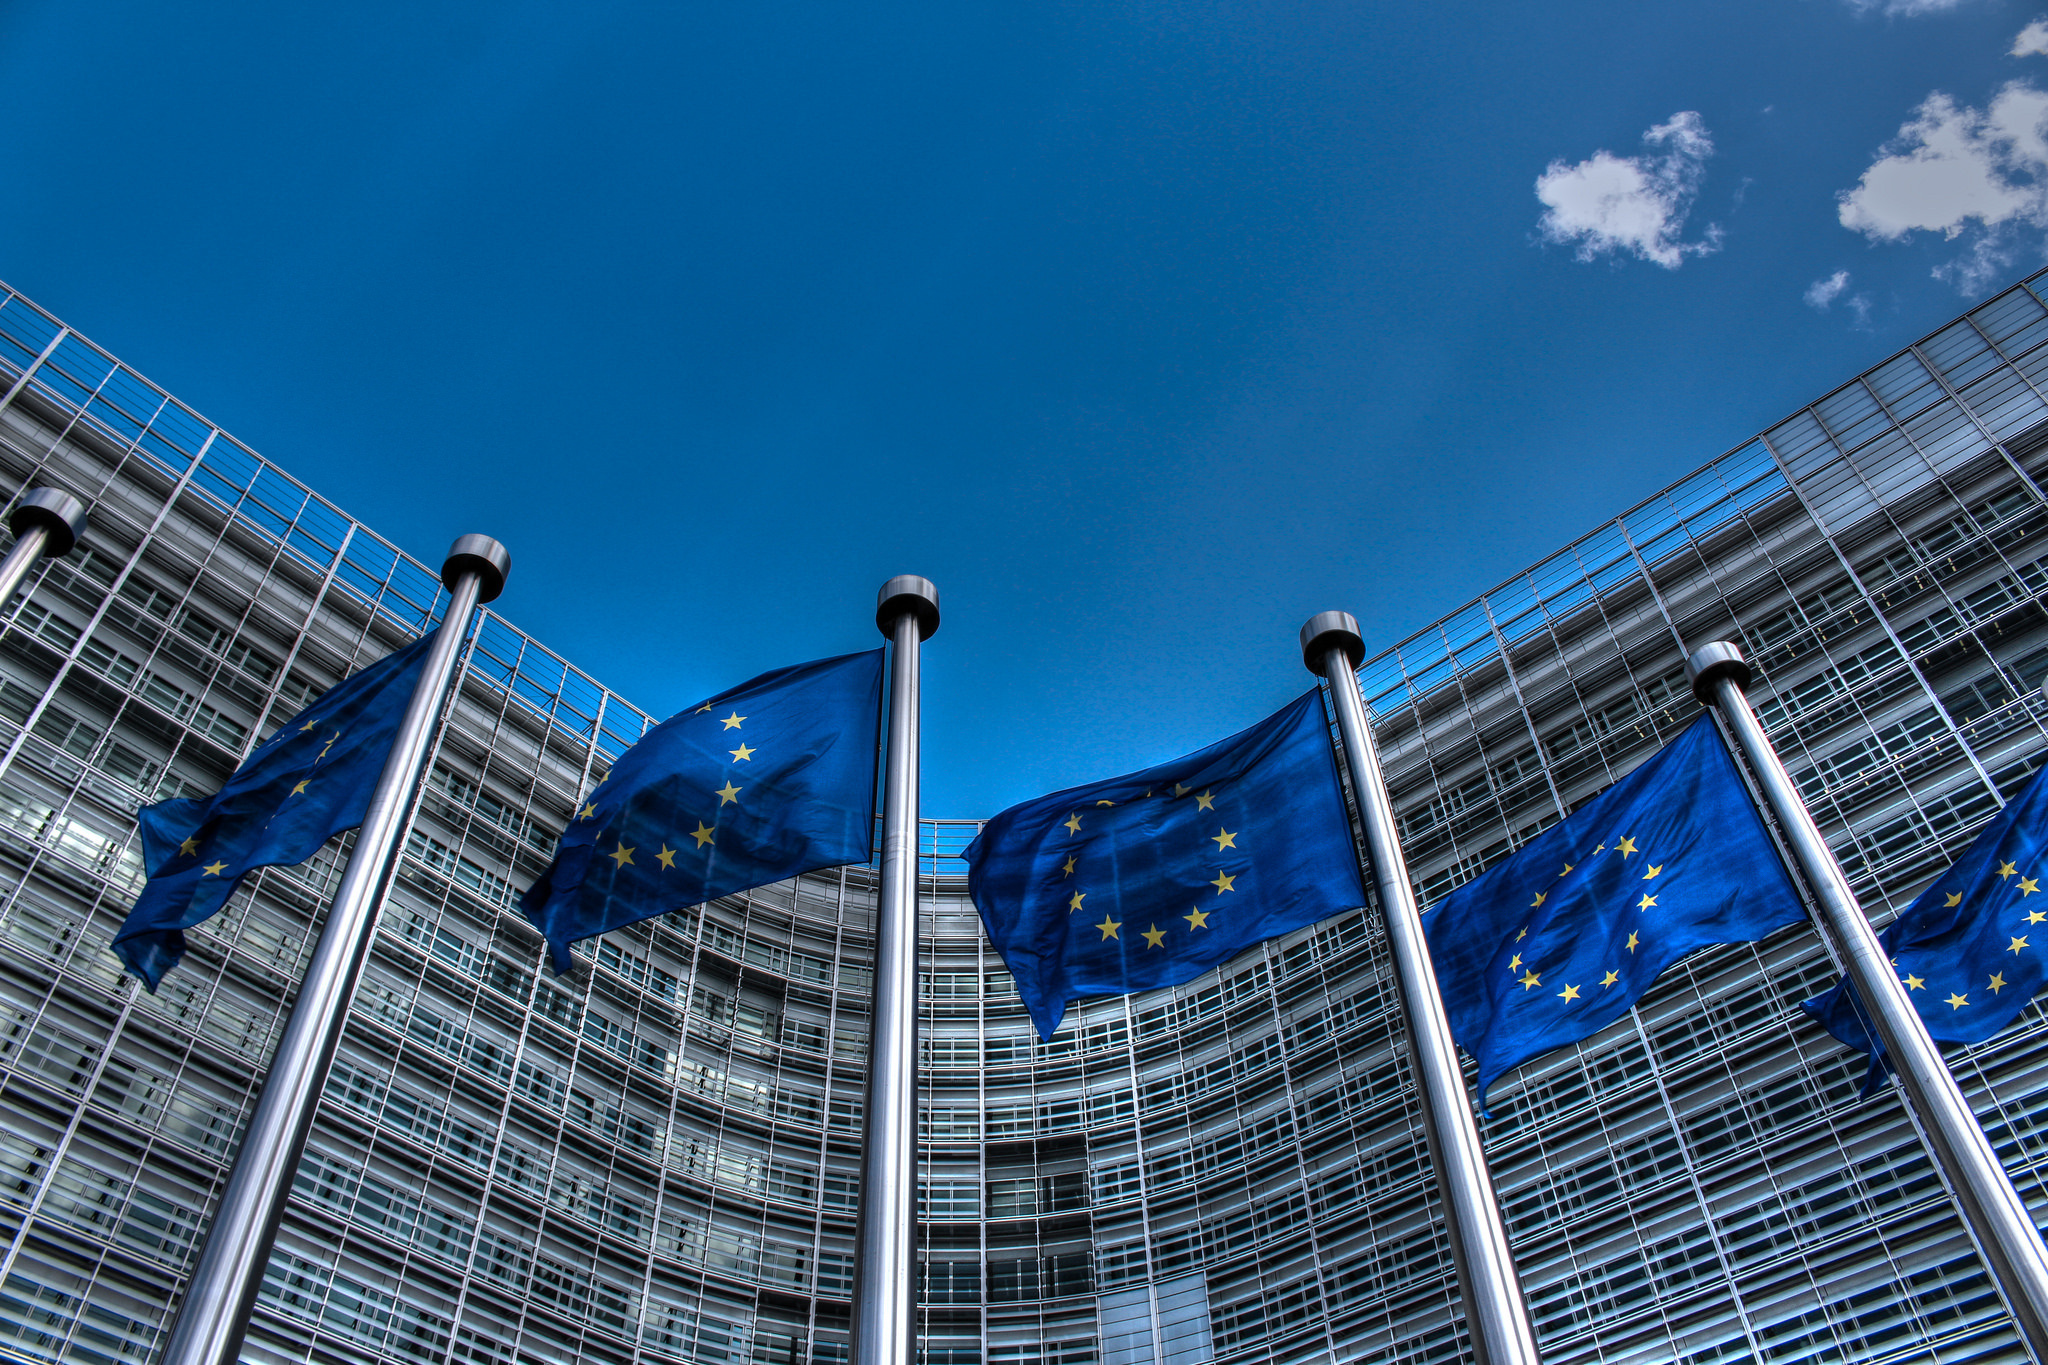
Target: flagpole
[(47, 521), (222, 1291), (1496, 1318), (1991, 1208), (885, 1253)]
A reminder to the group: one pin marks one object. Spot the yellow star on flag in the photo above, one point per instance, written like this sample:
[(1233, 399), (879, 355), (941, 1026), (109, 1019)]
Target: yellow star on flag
[(1609, 980), (1655, 868), (1955, 898), (1567, 870), (2017, 944), (1646, 902), (728, 792), (702, 709), (2036, 917), (301, 787), (1632, 942), (1223, 839), (1958, 1001), (621, 855), (1109, 927), (1155, 937), (1914, 983), (1515, 963), (1067, 867), (1530, 979), (1073, 823), (1626, 847), (1997, 982), (1198, 920), (732, 722), (2028, 886), (190, 845), (1075, 903), (742, 754), (1224, 882), (307, 726), (2006, 869), (1179, 790), (587, 812), (702, 834), (215, 869), (667, 856), (1207, 800), (1568, 993), (1540, 895)]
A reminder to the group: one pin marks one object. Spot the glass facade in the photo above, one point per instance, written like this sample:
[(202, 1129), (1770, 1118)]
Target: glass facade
[(655, 1158)]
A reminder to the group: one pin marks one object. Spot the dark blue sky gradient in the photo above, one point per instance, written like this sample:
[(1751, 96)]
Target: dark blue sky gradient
[(1144, 331)]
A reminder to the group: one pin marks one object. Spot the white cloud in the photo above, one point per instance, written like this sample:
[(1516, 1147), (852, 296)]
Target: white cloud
[(1957, 170), (1631, 205), (1821, 293), (1904, 8), (2033, 40)]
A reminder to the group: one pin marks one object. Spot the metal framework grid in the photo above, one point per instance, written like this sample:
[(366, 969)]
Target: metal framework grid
[(655, 1160)]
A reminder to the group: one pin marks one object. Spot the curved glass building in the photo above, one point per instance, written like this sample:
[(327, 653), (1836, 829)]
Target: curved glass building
[(654, 1159)]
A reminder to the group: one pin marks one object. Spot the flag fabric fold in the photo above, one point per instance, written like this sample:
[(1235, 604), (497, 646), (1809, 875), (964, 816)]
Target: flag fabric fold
[(1153, 878), (298, 789), (1564, 937), (764, 781), (1968, 949)]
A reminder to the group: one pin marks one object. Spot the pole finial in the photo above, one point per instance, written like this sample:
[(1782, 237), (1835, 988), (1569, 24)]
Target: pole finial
[(1328, 630), (908, 592), (57, 512), (482, 556), (1721, 659)]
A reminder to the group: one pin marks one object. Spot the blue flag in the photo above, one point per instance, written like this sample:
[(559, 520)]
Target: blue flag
[(771, 778), (1152, 879), (298, 789), (1969, 949), (1563, 938)]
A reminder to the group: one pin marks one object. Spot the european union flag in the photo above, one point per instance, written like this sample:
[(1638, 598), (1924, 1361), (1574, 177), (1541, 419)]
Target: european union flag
[(1152, 879), (771, 778), (1969, 949), (1563, 938), (298, 789)]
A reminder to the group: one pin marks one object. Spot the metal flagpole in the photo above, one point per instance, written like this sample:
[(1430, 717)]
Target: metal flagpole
[(1991, 1208), (224, 1284), (47, 521), (885, 1254), (1496, 1318)]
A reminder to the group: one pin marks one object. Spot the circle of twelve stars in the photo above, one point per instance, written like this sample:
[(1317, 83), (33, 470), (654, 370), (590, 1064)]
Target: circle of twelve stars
[(1530, 979), (2027, 887), (190, 846), (704, 834), (1198, 918)]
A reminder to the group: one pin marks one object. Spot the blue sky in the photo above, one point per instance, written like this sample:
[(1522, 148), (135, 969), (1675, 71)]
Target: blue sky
[(1145, 331)]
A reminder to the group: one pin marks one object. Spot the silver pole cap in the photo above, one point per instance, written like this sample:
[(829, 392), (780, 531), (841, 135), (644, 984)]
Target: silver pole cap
[(482, 556), (1721, 659), (62, 515), (1328, 630), (908, 592)]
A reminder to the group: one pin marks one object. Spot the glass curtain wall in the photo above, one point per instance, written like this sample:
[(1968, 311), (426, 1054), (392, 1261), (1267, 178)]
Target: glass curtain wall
[(655, 1158)]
